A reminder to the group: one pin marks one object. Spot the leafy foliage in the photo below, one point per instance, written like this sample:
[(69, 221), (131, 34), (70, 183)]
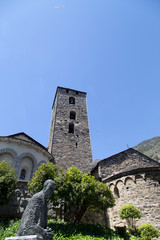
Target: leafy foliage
[(45, 171), (65, 231), (147, 231), (79, 190), (69, 230), (130, 212), (7, 181), (8, 228)]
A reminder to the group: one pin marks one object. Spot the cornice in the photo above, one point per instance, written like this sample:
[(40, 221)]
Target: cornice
[(28, 144)]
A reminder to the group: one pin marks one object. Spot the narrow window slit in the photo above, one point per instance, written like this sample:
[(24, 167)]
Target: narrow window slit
[(71, 127)]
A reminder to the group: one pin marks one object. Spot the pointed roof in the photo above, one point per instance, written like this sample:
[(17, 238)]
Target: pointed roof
[(124, 162)]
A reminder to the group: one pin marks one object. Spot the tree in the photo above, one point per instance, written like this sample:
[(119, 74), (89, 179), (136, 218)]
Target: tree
[(45, 171), (130, 213), (147, 231), (80, 191), (7, 181)]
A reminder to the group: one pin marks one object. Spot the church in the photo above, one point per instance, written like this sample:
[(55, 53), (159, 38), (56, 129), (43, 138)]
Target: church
[(132, 177)]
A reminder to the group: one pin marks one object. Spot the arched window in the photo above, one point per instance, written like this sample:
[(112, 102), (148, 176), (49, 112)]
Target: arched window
[(26, 169), (116, 192), (22, 174), (71, 127), (72, 115), (71, 100)]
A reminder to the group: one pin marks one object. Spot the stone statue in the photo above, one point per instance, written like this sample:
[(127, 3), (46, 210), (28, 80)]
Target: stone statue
[(34, 219)]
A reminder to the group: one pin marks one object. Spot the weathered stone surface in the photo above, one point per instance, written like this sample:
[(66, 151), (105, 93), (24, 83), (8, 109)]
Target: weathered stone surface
[(134, 179), (141, 190), (20, 149), (31, 237), (34, 219), (125, 161), (100, 217), (70, 149), (18, 199)]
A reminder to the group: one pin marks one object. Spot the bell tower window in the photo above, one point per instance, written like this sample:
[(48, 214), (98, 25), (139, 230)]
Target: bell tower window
[(71, 127), (72, 115), (71, 100)]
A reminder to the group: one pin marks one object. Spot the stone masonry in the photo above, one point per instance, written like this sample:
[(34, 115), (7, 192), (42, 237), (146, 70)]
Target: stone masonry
[(125, 161), (69, 139), (143, 191), (134, 179)]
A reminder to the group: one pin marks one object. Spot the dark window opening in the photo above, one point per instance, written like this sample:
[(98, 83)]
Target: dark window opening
[(23, 174), (71, 128), (72, 115), (116, 192), (67, 91), (77, 93), (76, 144), (52, 160), (71, 100)]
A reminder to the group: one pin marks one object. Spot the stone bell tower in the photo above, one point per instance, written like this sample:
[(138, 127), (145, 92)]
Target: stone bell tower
[(69, 138)]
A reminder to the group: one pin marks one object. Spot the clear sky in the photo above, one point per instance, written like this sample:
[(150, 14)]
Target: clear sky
[(108, 48)]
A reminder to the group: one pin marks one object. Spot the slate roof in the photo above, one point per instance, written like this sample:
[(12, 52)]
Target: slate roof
[(126, 161)]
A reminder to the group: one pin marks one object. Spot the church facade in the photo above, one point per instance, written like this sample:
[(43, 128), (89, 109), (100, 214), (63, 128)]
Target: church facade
[(132, 177), (24, 153)]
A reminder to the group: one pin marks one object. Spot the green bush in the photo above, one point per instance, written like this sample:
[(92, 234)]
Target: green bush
[(45, 171), (80, 191), (130, 212), (147, 231), (7, 181), (8, 228)]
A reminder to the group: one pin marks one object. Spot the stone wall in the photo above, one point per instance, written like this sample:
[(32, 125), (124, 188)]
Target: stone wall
[(23, 153), (19, 199), (140, 189), (100, 218), (123, 162), (134, 179), (143, 191), (18, 202), (70, 148)]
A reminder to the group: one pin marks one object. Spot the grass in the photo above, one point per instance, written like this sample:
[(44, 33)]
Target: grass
[(8, 228), (65, 231)]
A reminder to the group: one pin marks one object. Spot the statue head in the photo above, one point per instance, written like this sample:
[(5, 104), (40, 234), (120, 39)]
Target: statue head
[(48, 188)]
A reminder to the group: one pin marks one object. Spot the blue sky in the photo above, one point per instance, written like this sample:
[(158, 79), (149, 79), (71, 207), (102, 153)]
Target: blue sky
[(108, 48)]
